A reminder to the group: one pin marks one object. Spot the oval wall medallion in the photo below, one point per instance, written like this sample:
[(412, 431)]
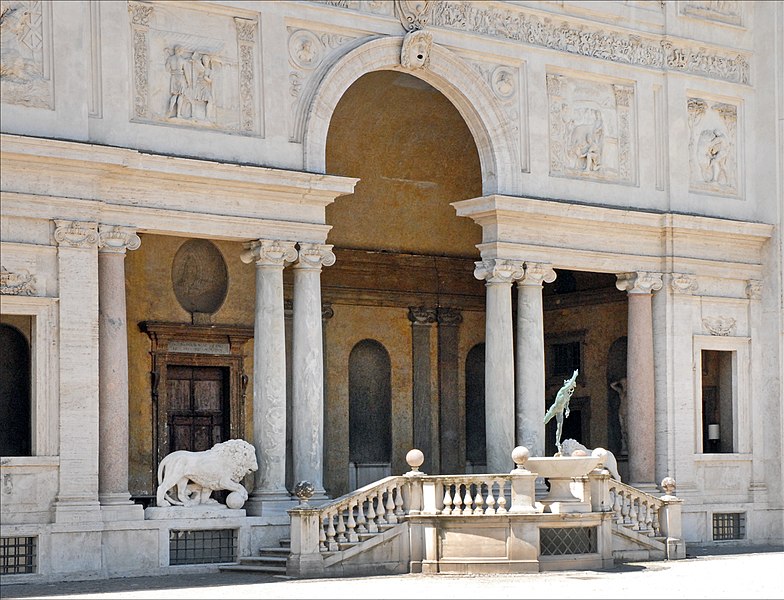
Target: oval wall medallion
[(199, 276)]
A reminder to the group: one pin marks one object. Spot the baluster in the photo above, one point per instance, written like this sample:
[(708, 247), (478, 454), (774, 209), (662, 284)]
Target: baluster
[(625, 508), (399, 512), (501, 510), (642, 514), (341, 528), (371, 516), (361, 517), (390, 506), (351, 524), (634, 513), (649, 519), (616, 505), (380, 519), (655, 523), (478, 500), (447, 510), (322, 536), (490, 499), (331, 544), (468, 501), (458, 500)]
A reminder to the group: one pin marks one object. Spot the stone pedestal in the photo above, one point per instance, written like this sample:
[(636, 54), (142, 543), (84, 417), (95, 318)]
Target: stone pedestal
[(202, 511), (269, 372)]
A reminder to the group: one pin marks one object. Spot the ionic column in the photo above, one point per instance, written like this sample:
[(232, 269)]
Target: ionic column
[(77, 270), (530, 382), (269, 371), (499, 359), (308, 366), (113, 374), (640, 395)]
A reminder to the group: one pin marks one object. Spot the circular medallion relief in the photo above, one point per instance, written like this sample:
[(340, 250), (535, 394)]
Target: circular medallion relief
[(199, 276)]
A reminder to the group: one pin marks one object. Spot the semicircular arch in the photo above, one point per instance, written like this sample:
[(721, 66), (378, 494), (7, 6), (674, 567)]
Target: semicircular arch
[(451, 76)]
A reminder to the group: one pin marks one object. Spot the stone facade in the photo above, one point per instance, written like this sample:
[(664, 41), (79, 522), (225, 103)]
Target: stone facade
[(220, 220)]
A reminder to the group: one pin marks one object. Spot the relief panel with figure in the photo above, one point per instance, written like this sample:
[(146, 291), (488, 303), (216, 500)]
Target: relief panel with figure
[(192, 68), (713, 146), (592, 129)]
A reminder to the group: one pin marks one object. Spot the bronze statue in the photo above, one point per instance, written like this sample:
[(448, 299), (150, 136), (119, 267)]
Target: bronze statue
[(560, 408)]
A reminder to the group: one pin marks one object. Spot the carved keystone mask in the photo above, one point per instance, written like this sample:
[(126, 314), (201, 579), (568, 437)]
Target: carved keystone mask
[(415, 53)]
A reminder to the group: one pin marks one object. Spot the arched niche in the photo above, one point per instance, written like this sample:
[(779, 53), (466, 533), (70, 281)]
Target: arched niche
[(476, 446), (447, 73)]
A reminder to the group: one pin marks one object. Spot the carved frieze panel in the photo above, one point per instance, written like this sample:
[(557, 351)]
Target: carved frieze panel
[(723, 11), (194, 68), (25, 53), (592, 129), (713, 146), (378, 7), (308, 50), (20, 282)]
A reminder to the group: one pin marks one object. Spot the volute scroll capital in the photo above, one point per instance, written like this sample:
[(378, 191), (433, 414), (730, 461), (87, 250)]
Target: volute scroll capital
[(499, 270), (269, 253), (639, 282)]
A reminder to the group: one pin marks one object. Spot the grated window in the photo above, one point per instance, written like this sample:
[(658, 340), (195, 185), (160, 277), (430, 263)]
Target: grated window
[(195, 547), (555, 541), (17, 555), (729, 526)]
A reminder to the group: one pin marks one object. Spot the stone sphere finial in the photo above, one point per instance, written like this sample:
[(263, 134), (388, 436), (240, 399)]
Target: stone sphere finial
[(668, 486), (304, 491), (520, 456), (415, 458)]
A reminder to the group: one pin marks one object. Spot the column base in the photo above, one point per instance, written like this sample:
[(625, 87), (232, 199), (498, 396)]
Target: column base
[(77, 511)]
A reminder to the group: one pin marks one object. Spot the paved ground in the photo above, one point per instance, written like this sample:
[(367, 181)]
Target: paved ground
[(755, 573)]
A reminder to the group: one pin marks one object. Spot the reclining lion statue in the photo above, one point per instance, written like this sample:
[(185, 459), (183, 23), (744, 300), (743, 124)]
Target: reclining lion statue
[(197, 474)]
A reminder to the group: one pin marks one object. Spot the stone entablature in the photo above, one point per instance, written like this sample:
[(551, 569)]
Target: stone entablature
[(580, 37)]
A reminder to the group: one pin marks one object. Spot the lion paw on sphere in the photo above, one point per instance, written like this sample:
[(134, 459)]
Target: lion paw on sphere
[(197, 474)]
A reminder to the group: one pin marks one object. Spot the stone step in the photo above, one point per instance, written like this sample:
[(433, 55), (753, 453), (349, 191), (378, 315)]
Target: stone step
[(272, 570), (285, 542), (263, 560), (274, 552)]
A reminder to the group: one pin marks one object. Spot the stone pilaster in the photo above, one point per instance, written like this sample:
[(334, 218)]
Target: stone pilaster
[(423, 322), (269, 371), (758, 485), (308, 366), (113, 242), (499, 359), (77, 265), (530, 382), (640, 395), (451, 420)]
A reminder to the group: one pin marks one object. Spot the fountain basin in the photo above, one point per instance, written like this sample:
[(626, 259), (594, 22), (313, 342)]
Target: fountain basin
[(560, 470)]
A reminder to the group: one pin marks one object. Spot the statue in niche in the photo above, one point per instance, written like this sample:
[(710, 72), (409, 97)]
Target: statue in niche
[(179, 82), (586, 140), (620, 387), (560, 408), (714, 148)]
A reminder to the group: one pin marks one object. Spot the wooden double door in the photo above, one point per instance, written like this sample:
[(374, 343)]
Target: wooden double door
[(198, 414)]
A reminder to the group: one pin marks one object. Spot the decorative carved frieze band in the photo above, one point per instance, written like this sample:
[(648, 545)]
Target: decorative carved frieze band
[(639, 282), (19, 283), (269, 253), (592, 129), (683, 283), (26, 53), (713, 146), (314, 256), (724, 11), (307, 51), (415, 52), (116, 239), (518, 24), (719, 325), (414, 14), (449, 316), (537, 273), (420, 315), (194, 81), (499, 270), (76, 234), (754, 289)]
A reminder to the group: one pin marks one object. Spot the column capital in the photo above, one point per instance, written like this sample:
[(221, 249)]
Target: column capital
[(116, 240), (754, 289), (639, 282), (449, 316), (76, 234), (269, 253), (314, 256), (537, 274), (683, 283), (420, 315), (498, 270)]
